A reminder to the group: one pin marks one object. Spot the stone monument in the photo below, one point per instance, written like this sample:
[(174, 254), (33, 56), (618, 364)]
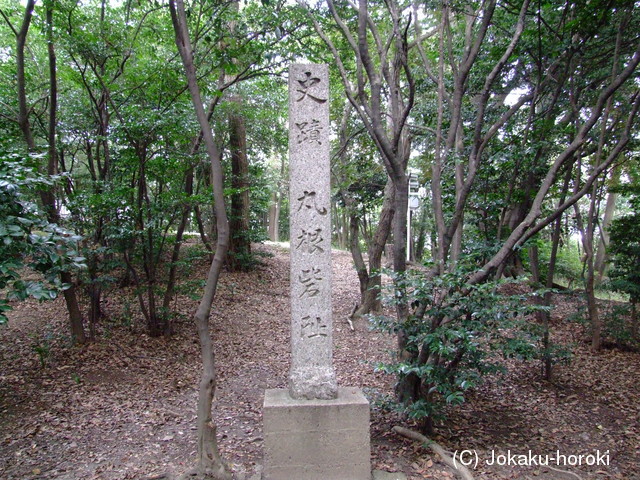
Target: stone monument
[(314, 430)]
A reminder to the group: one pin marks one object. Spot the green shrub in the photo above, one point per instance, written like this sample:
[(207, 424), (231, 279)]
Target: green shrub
[(28, 242), (456, 334), (619, 328)]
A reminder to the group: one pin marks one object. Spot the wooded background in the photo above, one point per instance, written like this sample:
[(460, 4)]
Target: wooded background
[(519, 119)]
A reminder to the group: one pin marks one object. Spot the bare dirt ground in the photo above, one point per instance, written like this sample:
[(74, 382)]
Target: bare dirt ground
[(123, 407)]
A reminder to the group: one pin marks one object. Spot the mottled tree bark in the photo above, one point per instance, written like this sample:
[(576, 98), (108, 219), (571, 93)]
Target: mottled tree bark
[(209, 460), (239, 240)]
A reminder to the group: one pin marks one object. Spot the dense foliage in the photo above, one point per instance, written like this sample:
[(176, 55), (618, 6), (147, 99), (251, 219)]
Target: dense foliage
[(32, 251), (516, 116), (625, 249)]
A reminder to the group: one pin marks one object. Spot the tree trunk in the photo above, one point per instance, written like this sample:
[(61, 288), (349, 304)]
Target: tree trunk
[(48, 198), (534, 264), (603, 243), (587, 234), (209, 460), (206, 241), (545, 316), (23, 110), (49, 195), (370, 278), (70, 294), (240, 240), (456, 241), (422, 232), (408, 386), (340, 225), (274, 216), (276, 206), (175, 254), (94, 292), (75, 315), (592, 306)]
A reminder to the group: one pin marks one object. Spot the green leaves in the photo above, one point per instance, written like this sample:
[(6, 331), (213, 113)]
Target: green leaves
[(28, 242), (452, 334), (625, 248)]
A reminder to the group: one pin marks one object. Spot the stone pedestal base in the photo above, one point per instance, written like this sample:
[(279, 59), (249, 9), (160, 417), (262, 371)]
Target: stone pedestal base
[(316, 439)]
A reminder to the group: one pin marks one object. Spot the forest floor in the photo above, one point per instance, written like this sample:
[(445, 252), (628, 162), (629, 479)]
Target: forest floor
[(123, 406)]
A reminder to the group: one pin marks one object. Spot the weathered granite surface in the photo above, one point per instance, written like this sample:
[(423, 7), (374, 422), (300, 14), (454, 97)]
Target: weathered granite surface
[(316, 439), (312, 374), (314, 430)]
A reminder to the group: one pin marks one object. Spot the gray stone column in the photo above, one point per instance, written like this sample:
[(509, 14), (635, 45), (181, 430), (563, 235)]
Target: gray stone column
[(315, 430), (312, 375)]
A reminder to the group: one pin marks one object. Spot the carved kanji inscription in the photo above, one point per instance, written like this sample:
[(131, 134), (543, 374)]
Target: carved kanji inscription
[(309, 131), (310, 278), (312, 327), (306, 88), (310, 240), (309, 201)]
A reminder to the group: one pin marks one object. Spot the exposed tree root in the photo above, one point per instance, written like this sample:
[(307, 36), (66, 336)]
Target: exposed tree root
[(197, 474), (162, 476), (567, 472), (462, 471)]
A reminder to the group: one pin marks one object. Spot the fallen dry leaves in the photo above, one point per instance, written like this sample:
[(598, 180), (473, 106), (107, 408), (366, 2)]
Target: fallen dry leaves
[(123, 407)]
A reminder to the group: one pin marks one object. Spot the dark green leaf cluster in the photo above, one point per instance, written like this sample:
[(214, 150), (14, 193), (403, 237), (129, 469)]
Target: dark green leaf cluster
[(625, 249), (32, 251), (620, 327), (456, 334)]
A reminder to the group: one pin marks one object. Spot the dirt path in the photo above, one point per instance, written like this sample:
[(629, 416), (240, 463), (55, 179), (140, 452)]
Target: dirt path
[(124, 406)]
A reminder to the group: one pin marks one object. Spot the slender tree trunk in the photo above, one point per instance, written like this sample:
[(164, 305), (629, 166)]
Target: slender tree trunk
[(209, 460), (545, 316), (240, 240), (274, 216), (340, 226), (408, 386), (146, 232), (94, 292), (534, 264), (276, 206), (206, 241), (586, 233), (175, 254), (23, 109), (603, 243), (456, 242), (422, 231), (370, 278), (592, 305), (48, 197), (356, 254)]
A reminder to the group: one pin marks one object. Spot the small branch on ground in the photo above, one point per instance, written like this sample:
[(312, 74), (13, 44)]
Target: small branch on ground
[(350, 317), (462, 471)]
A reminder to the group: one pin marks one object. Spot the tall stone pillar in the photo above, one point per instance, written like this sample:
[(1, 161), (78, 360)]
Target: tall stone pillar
[(312, 374), (314, 430)]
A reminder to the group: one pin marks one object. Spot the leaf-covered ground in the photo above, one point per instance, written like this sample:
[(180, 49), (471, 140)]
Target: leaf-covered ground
[(123, 407)]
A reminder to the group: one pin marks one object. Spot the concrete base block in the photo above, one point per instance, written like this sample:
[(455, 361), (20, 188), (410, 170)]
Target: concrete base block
[(316, 439)]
